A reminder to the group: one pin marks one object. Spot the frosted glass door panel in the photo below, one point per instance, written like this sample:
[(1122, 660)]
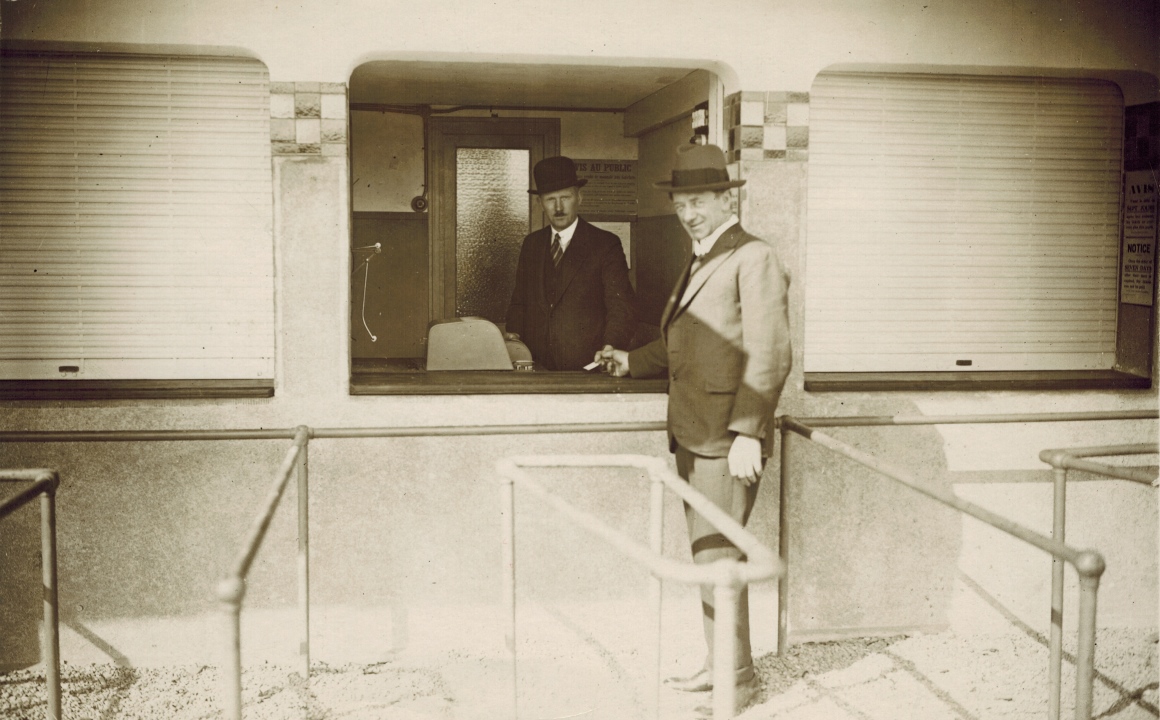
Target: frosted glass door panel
[(491, 201)]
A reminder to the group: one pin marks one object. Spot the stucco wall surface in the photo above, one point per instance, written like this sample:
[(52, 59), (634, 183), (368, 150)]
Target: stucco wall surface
[(780, 45)]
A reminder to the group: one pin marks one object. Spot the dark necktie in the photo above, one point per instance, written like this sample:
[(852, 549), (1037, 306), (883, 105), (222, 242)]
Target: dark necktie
[(557, 251)]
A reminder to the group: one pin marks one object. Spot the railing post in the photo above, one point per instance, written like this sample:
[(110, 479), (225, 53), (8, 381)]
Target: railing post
[(656, 543), (304, 557), (1059, 513), (51, 650), (1090, 566), (724, 644), (230, 593), (783, 547), (508, 547)]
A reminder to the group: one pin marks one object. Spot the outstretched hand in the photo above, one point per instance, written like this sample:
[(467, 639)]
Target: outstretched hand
[(614, 362)]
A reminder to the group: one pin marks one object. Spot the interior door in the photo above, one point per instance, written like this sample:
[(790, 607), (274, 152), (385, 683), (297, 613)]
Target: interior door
[(481, 169)]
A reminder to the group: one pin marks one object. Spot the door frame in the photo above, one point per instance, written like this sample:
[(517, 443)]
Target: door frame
[(540, 136)]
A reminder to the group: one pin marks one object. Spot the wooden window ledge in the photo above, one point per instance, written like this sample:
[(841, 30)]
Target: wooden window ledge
[(134, 389), (967, 381), (402, 378)]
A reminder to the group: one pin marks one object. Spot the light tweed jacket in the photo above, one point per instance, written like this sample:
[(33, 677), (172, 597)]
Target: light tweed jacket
[(725, 343)]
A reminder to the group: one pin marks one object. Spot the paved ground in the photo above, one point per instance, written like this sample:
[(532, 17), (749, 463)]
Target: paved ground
[(593, 660)]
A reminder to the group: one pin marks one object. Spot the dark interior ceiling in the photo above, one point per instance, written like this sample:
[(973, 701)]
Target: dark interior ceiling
[(507, 84)]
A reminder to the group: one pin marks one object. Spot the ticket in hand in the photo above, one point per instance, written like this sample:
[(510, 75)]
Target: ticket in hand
[(592, 365)]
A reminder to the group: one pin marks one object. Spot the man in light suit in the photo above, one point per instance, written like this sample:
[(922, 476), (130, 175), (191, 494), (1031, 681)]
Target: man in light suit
[(572, 294), (725, 345)]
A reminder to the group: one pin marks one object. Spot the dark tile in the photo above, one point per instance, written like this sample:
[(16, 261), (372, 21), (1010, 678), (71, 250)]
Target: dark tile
[(797, 137), (307, 105)]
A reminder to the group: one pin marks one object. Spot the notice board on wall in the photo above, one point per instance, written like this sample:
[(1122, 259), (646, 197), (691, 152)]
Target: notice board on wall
[(610, 193), (1138, 253)]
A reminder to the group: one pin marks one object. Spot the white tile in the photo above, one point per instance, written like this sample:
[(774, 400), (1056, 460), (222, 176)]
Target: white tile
[(774, 137), (753, 113), (281, 106), (334, 107), (308, 131), (797, 114)]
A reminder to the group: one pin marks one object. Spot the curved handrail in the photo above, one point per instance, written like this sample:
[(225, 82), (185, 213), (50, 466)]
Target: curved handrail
[(763, 563), (43, 481), (44, 484), (1073, 458), (231, 590), (1061, 461), (262, 521), (726, 575), (1089, 564), (1085, 558)]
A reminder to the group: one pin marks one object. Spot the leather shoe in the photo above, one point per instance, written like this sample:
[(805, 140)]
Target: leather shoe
[(700, 681), (744, 696)]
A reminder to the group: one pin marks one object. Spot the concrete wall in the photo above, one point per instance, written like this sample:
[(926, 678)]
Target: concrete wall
[(147, 529), (780, 45)]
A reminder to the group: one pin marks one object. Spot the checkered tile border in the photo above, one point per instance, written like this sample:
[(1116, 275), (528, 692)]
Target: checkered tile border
[(308, 118), (768, 125)]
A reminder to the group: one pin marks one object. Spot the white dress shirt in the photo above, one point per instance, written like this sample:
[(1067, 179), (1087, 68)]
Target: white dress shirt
[(701, 248), (566, 235)]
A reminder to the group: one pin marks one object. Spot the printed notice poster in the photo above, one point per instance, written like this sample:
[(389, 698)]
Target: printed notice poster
[(611, 188), (1138, 256)]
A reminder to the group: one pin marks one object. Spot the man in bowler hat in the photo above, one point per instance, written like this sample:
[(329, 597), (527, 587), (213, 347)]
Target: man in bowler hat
[(725, 346), (572, 294)]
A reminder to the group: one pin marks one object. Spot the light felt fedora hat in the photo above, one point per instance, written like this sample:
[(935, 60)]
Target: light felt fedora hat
[(555, 173), (699, 168)]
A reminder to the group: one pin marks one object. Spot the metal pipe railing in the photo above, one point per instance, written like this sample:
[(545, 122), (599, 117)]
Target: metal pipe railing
[(978, 419), (1061, 461), (46, 436), (231, 591), (44, 484), (727, 576), (302, 471), (1089, 564), (904, 420), (480, 430)]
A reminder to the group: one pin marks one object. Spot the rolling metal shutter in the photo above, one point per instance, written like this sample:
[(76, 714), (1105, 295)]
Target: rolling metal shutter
[(962, 223), (135, 218)]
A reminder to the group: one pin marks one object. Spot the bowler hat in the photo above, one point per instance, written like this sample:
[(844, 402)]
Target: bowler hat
[(555, 173), (699, 168)]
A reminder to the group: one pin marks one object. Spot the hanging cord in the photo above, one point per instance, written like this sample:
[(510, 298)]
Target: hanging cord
[(366, 265)]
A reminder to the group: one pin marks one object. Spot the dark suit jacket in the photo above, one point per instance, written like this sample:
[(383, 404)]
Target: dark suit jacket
[(725, 344), (592, 305)]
